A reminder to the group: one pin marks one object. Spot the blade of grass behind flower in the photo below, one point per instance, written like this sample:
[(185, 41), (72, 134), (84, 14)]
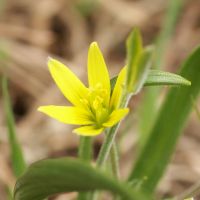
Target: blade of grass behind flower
[(174, 8), (86, 7), (2, 6), (157, 150), (18, 162), (149, 103)]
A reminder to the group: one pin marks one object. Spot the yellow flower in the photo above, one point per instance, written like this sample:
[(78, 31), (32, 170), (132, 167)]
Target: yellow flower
[(94, 108)]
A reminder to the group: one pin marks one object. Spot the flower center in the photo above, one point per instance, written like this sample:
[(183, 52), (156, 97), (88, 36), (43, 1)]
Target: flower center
[(96, 104)]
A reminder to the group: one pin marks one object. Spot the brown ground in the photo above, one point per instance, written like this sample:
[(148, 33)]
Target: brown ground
[(32, 30)]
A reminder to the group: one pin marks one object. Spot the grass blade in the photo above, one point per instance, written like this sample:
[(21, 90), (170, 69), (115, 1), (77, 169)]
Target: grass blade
[(18, 162), (167, 30), (149, 103), (173, 115)]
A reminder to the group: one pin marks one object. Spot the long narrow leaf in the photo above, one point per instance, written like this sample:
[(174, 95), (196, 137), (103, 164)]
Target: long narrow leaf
[(139, 61), (172, 14), (144, 65), (18, 162), (134, 50), (173, 115), (54, 176), (149, 102), (157, 77)]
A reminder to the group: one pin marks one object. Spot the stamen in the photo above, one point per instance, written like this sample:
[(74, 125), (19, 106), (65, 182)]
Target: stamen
[(96, 103), (84, 101)]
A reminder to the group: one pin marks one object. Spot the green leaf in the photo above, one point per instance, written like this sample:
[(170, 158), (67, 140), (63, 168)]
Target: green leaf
[(157, 77), (144, 65), (18, 162), (167, 30), (149, 102), (85, 148), (54, 176), (157, 151), (134, 50)]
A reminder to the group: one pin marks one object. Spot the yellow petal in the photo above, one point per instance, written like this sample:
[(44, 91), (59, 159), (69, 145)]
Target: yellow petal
[(117, 92), (71, 87), (97, 70), (88, 131), (116, 116), (66, 114)]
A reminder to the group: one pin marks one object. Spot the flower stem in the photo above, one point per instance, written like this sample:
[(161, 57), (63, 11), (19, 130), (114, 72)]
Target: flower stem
[(109, 141), (110, 136), (85, 154), (85, 149), (115, 160), (106, 147)]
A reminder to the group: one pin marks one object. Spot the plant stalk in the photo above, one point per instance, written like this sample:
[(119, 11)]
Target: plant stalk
[(85, 149), (85, 154), (114, 157), (110, 136), (108, 143)]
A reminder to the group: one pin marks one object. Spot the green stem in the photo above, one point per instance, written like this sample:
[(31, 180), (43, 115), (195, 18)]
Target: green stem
[(108, 142), (106, 146), (85, 154), (115, 160), (110, 136), (85, 148)]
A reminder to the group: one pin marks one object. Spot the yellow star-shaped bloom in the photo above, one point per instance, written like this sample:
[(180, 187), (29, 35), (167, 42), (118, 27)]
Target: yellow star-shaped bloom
[(94, 108)]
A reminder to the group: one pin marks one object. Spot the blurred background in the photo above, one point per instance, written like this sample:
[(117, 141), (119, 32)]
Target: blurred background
[(30, 31)]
